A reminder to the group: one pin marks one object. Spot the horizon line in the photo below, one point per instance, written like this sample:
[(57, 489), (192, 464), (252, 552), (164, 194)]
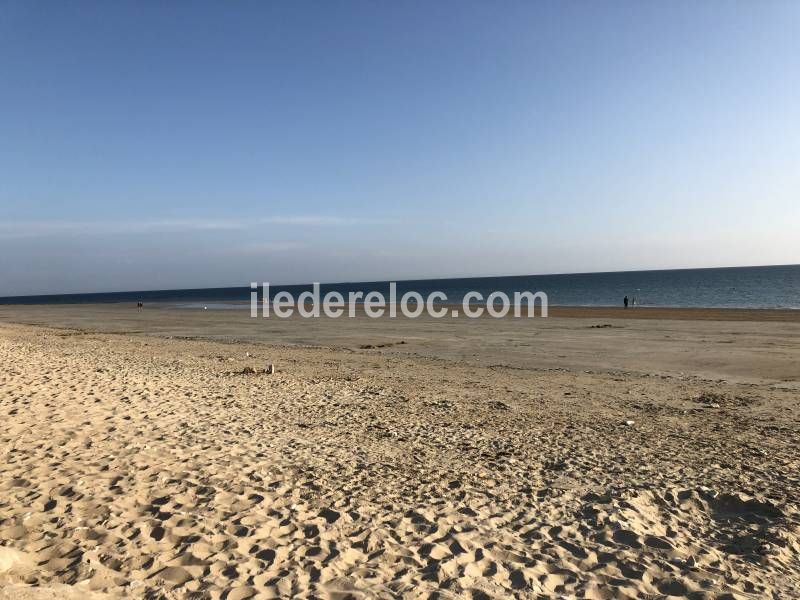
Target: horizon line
[(364, 281)]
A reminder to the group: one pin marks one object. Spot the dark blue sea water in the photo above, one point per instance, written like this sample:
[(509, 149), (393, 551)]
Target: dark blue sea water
[(737, 287)]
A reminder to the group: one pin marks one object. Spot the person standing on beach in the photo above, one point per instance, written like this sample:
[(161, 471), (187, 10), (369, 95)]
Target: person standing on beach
[(625, 301)]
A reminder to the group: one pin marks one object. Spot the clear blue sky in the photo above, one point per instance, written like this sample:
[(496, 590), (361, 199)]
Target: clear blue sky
[(172, 144)]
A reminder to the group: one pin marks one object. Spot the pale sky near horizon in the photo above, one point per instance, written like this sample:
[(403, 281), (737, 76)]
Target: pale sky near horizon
[(173, 145)]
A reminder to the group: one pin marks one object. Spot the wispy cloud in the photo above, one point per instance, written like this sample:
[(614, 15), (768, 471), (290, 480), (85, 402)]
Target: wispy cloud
[(259, 248), (41, 228), (322, 221)]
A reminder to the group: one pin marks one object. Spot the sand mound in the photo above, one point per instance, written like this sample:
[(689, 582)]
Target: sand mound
[(699, 537)]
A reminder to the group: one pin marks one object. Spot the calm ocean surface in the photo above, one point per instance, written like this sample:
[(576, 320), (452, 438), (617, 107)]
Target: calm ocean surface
[(738, 287)]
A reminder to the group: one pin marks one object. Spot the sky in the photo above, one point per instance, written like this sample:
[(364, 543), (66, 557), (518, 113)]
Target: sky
[(169, 145)]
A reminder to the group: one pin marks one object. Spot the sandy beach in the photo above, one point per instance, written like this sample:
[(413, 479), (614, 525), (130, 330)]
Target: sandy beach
[(596, 454), (267, 272)]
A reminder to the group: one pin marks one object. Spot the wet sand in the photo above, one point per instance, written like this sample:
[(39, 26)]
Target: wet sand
[(738, 345)]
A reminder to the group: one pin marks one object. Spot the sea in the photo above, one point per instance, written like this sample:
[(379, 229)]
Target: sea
[(732, 287)]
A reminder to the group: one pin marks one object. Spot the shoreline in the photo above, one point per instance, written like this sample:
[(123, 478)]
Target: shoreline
[(679, 313)]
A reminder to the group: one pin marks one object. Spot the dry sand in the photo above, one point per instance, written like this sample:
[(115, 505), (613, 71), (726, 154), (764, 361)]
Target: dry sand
[(478, 459)]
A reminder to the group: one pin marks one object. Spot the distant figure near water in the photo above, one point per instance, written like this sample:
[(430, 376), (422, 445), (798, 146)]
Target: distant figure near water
[(139, 306), (625, 301)]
